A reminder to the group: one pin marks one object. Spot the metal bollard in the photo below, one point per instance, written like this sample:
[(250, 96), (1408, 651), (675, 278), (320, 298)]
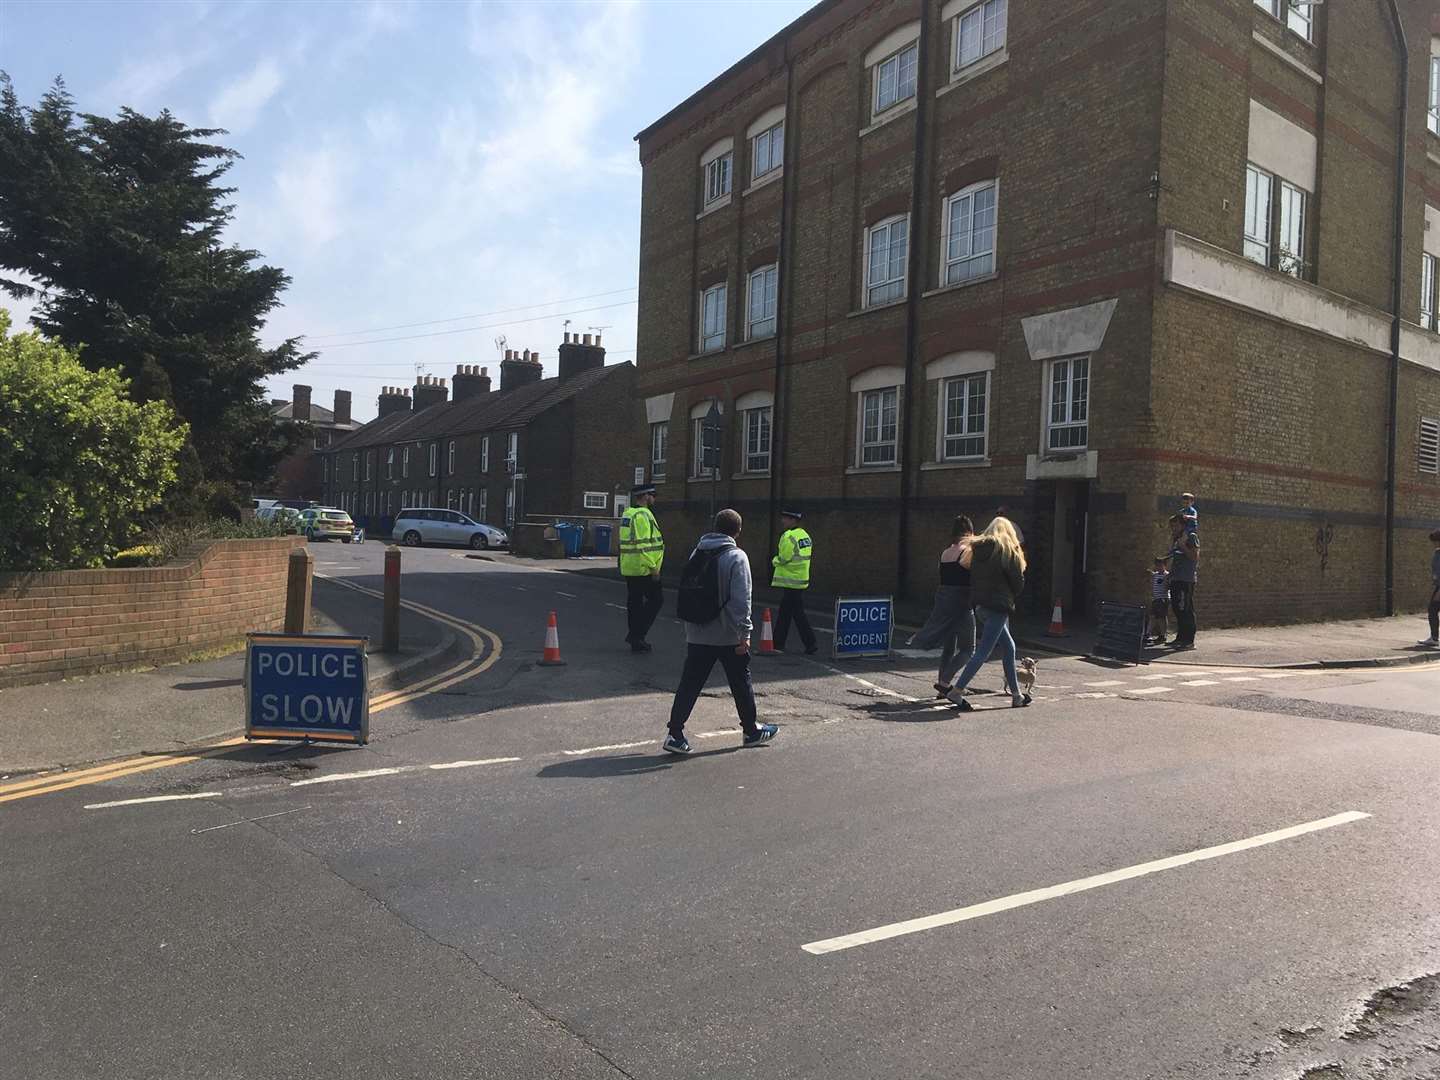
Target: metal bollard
[(390, 631), (297, 591)]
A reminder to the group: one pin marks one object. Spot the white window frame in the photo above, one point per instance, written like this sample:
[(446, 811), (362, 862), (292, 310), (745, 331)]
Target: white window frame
[(968, 428), (713, 302), (769, 284), (1290, 248), (698, 470), (510, 505), (595, 500), (889, 289), (450, 458), (512, 448), (878, 444), (1259, 243), (768, 147), (485, 454), (390, 463), (991, 41), (434, 457), (907, 57), (717, 173), (369, 460), (483, 510), (1427, 445), (757, 427), (1432, 117), (1299, 19), (978, 261), (355, 467), (405, 462), (659, 449), (1073, 422), (1430, 291)]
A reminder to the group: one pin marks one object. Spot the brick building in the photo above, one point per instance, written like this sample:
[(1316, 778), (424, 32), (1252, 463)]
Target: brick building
[(299, 476), (1068, 256), (426, 449)]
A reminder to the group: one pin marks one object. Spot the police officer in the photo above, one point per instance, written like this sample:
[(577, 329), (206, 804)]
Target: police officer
[(792, 577), (642, 550)]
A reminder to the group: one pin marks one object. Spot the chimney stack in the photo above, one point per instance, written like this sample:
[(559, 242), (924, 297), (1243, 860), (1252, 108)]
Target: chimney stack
[(579, 354), (300, 403), (392, 399), (429, 391), (342, 406), (471, 381), (520, 369)]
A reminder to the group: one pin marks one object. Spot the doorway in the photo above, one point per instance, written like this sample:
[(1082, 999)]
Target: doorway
[(1069, 566)]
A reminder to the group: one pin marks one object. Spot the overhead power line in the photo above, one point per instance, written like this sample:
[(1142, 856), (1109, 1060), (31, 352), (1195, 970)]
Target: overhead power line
[(462, 318), (402, 380), (472, 329)]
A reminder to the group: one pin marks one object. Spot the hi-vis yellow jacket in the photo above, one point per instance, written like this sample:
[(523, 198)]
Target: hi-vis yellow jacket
[(792, 565), (642, 548)]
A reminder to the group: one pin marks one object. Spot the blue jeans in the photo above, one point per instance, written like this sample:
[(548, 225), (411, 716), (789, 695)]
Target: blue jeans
[(996, 630)]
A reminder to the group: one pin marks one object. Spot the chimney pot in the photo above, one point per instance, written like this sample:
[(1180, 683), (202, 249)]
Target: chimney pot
[(587, 339), (342, 406), (597, 339), (484, 371)]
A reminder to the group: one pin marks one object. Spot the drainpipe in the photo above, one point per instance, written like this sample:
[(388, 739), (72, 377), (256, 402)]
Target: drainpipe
[(1398, 275), (919, 202), (781, 428)]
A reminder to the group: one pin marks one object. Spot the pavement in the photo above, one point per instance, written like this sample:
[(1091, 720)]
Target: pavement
[(77, 721), (1153, 872)]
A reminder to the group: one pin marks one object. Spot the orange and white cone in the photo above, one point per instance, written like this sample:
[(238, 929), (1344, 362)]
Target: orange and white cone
[(552, 644), (1057, 622), (767, 635)]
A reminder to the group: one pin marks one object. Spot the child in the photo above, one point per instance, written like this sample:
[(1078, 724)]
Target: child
[(1190, 512), (1159, 603)]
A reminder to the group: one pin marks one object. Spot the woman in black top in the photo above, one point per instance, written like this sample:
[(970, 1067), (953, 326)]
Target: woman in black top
[(952, 619)]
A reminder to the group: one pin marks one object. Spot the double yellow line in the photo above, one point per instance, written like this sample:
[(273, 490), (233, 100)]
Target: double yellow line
[(486, 649)]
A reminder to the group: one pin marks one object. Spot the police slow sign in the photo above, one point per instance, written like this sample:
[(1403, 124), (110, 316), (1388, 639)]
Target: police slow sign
[(304, 686), (862, 625)]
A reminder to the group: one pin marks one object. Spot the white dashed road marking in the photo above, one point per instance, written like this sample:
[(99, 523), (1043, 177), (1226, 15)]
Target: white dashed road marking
[(152, 798), (567, 595), (334, 777), (1201, 682), (1035, 896), (610, 746), (1107, 682), (472, 764), (1242, 678), (1153, 690)]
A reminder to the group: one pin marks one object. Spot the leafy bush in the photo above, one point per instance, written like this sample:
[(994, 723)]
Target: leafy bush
[(175, 539), (141, 555), (79, 460)]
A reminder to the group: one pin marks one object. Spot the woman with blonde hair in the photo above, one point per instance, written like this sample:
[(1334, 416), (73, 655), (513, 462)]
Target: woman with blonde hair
[(997, 576)]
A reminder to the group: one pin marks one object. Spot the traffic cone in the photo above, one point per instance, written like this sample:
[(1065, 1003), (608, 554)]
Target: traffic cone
[(767, 635), (552, 644), (1057, 622)]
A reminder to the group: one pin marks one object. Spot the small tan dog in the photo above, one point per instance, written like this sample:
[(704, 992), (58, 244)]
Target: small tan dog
[(1025, 674)]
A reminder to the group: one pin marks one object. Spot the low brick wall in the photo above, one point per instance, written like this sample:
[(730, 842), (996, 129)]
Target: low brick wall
[(75, 622)]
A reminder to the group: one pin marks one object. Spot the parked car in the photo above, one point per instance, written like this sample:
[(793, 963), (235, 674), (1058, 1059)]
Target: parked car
[(284, 516), (325, 522), (414, 527)]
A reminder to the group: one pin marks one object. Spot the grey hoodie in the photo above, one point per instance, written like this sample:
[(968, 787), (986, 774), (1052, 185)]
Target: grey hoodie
[(733, 624)]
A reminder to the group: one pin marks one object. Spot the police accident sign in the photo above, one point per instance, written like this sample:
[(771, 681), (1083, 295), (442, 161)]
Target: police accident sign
[(863, 625), (306, 686)]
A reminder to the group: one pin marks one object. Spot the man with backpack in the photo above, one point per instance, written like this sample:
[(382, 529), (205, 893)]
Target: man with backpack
[(714, 601)]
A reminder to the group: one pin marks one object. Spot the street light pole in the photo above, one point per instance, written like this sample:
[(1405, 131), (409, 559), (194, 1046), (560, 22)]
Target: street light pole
[(1402, 46)]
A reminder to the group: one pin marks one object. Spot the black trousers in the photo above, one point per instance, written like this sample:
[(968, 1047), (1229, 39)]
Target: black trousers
[(1434, 614), (699, 661), (643, 599), (1182, 602), (792, 609)]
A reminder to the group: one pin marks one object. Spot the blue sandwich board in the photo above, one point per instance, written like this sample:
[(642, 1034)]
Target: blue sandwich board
[(863, 625), (307, 686)]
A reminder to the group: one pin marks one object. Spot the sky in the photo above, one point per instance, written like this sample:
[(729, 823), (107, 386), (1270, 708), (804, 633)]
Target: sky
[(441, 172)]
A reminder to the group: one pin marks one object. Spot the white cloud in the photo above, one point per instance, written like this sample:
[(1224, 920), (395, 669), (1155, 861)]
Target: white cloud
[(140, 81), (309, 195), (238, 105)]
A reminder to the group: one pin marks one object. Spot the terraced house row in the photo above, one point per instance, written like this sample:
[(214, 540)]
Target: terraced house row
[(1069, 256), (531, 447)]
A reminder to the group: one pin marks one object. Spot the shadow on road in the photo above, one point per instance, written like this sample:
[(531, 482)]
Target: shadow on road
[(593, 768), (207, 684)]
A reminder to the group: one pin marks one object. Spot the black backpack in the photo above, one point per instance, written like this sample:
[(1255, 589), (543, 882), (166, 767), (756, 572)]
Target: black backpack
[(698, 599)]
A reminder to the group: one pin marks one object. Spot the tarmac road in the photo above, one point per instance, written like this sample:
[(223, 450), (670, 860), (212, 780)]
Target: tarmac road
[(511, 880)]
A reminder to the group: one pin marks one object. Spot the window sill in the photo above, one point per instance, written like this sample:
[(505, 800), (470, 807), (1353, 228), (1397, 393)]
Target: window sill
[(865, 470), (764, 181), (1285, 58), (975, 70), (699, 479), (718, 204), (961, 284), (751, 475), (888, 305), (708, 353), (892, 113), (941, 466), (748, 342), (1284, 25)]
